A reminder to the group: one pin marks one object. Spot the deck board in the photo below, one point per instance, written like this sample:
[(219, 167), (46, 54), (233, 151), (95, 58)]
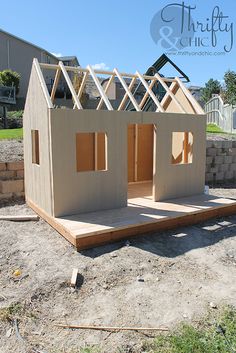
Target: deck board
[(140, 216)]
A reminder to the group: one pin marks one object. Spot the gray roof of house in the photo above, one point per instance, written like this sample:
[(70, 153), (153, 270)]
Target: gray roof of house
[(69, 58), (29, 43)]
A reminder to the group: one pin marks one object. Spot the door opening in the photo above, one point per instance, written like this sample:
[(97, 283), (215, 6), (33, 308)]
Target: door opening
[(140, 160)]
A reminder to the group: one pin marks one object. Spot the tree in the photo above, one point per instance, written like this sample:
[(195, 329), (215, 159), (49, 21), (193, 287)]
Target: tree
[(211, 87), (10, 78), (230, 87)]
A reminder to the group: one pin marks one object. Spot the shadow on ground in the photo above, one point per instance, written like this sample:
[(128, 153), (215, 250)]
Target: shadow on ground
[(175, 242)]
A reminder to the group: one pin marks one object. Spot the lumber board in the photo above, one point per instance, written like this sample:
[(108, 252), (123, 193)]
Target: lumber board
[(159, 226), (19, 218), (74, 277)]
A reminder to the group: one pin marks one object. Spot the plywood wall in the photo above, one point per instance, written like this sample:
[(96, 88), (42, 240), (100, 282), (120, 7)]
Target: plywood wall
[(78, 192), (38, 176), (185, 179)]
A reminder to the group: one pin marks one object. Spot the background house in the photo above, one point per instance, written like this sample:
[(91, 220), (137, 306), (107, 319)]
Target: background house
[(17, 54), (196, 91)]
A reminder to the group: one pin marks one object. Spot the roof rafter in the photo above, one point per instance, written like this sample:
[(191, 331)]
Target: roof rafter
[(147, 81)]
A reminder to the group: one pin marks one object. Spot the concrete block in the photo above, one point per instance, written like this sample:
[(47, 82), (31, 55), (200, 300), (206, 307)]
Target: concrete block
[(223, 167), (209, 144), (220, 176), (20, 174), (3, 166), (234, 144), (227, 144), (234, 159), (209, 160), (7, 174), (217, 144), (219, 159), (10, 186), (19, 194), (209, 177), (5, 196), (234, 151), (211, 152), (221, 152), (214, 170), (232, 167), (229, 175), (15, 165), (228, 159), (229, 152)]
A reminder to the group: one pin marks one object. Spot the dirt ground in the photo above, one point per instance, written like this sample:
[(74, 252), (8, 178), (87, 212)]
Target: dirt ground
[(153, 280)]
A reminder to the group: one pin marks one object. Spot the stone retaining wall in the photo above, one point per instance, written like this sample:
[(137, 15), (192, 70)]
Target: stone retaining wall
[(220, 162), (220, 168), (11, 179)]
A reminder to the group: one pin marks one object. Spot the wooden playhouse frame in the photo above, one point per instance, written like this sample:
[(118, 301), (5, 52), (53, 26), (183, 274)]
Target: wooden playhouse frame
[(77, 160)]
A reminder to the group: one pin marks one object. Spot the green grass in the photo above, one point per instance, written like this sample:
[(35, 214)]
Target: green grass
[(10, 312), (11, 134), (206, 338), (214, 128)]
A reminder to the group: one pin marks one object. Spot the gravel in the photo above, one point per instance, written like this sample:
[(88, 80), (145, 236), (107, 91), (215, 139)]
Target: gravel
[(11, 150), (221, 137)]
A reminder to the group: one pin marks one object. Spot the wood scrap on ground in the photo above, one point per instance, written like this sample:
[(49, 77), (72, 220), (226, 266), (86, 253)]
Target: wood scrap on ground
[(74, 277), (112, 328), (20, 218)]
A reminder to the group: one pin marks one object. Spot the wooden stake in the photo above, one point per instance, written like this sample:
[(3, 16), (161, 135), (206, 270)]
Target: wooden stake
[(74, 277), (19, 218), (112, 328)]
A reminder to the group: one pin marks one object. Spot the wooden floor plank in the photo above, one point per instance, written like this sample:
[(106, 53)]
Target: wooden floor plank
[(141, 216)]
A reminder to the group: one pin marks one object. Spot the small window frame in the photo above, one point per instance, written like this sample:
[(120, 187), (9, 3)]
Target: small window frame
[(94, 147), (184, 147), (35, 147)]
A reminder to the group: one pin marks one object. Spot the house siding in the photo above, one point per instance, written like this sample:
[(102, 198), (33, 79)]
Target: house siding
[(17, 55)]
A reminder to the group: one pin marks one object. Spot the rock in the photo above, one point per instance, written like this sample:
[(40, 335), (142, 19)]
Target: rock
[(213, 305), (17, 272), (9, 332), (185, 316), (140, 279), (127, 243)]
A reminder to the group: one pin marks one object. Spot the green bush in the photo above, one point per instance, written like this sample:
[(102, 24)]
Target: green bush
[(10, 78)]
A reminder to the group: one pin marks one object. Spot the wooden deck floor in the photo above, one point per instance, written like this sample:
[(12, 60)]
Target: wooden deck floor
[(141, 216)]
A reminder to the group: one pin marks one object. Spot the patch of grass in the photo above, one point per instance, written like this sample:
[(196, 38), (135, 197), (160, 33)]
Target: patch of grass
[(11, 134), (10, 312), (17, 311), (213, 335), (213, 128)]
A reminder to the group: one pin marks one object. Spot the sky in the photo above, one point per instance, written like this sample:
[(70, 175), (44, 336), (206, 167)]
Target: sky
[(117, 34)]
